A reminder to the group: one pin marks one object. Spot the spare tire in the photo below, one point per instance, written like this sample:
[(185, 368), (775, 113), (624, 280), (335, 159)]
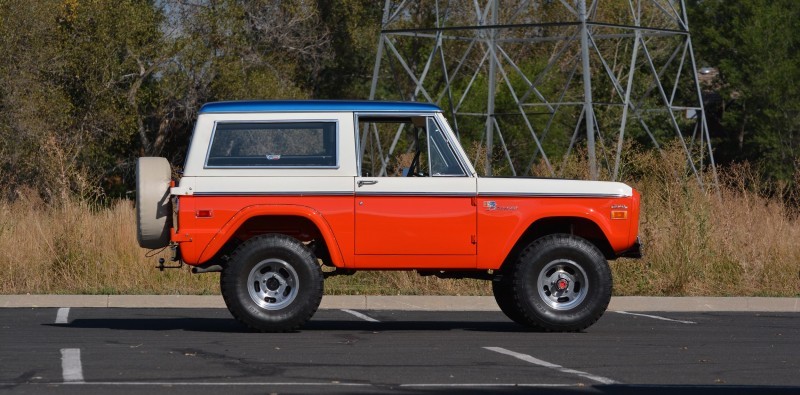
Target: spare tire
[(153, 206)]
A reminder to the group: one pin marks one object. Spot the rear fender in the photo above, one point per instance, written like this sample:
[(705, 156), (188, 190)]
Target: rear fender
[(230, 228)]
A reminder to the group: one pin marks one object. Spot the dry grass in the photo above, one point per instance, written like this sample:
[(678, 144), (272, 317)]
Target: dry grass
[(73, 249), (735, 242), (403, 283), (728, 242)]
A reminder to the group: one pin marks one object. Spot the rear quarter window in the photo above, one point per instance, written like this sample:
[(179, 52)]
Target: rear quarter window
[(273, 144)]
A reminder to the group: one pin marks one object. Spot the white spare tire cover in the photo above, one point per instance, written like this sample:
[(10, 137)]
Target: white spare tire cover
[(153, 206)]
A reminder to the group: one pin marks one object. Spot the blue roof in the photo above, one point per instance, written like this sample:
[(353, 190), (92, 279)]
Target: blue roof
[(315, 105)]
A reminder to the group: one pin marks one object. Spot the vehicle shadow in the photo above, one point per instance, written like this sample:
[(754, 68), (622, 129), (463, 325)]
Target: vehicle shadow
[(622, 389), (618, 389), (229, 325)]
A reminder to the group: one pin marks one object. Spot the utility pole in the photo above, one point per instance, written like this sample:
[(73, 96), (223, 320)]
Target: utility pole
[(465, 36), (492, 49), (587, 89)]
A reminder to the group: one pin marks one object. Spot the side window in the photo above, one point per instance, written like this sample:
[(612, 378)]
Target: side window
[(393, 146), (443, 159), (389, 145), (279, 144)]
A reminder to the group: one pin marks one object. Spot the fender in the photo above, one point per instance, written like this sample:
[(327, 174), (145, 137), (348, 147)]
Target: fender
[(238, 219), (504, 229)]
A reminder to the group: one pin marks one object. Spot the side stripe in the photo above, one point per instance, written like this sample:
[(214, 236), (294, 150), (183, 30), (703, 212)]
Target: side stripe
[(412, 193)]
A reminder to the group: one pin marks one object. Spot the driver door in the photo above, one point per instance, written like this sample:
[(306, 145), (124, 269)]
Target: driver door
[(414, 202)]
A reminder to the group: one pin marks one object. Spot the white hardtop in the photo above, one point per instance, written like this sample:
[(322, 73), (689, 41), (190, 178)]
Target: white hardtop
[(339, 179)]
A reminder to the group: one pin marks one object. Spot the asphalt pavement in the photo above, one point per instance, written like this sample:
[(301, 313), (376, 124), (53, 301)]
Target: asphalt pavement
[(203, 350)]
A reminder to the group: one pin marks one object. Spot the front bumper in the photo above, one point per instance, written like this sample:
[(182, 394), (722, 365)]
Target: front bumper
[(634, 252)]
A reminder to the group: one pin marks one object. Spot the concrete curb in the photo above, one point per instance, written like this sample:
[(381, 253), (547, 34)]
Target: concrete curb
[(416, 303)]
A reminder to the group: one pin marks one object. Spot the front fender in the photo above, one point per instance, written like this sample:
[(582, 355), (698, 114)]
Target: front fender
[(500, 228)]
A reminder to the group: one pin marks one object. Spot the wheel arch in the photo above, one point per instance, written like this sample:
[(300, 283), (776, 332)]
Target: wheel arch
[(301, 222), (578, 226)]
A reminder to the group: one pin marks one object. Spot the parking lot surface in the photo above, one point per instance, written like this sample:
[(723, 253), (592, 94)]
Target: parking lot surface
[(108, 350)]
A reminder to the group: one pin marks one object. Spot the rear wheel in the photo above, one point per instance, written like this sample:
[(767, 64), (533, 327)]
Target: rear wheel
[(560, 282), (272, 283)]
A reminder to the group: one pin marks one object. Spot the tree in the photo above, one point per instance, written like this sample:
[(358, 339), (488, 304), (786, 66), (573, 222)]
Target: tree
[(87, 86), (754, 44)]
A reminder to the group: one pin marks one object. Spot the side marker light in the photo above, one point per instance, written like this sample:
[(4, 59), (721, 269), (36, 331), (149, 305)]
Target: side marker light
[(203, 214), (619, 214)]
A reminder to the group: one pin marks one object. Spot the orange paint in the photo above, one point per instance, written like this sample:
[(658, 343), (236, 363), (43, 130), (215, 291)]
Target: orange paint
[(500, 228), (332, 215), (395, 232), (414, 225)]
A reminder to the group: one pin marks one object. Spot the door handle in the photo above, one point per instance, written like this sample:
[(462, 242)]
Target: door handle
[(361, 183)]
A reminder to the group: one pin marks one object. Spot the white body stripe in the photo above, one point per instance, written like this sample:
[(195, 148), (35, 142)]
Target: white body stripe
[(551, 187), (458, 186), (266, 185), (337, 185)]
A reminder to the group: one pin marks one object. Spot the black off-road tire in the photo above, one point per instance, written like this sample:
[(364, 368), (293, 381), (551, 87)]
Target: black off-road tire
[(547, 265), (504, 296), (272, 283)]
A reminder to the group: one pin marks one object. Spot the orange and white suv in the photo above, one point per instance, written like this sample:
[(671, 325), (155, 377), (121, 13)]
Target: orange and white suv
[(272, 191)]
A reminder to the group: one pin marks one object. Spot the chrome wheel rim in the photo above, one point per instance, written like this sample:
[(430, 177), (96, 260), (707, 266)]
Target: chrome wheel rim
[(562, 284), (272, 284)]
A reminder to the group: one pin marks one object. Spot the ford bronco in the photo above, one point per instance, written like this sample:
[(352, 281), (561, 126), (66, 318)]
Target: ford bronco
[(273, 192)]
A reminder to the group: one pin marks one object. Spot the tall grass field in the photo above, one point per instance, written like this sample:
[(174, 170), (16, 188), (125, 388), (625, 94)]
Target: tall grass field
[(698, 240)]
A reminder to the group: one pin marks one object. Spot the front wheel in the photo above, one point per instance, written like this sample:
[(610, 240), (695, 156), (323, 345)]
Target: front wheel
[(559, 283), (272, 283)]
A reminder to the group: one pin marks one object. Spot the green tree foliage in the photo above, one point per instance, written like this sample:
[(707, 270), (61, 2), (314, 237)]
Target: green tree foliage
[(754, 44), (353, 28), (86, 86), (89, 85)]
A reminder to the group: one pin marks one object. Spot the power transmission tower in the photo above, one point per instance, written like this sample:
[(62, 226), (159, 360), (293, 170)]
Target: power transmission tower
[(542, 77)]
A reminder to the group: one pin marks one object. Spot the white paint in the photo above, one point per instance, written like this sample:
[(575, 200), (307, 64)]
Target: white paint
[(71, 365), (539, 362), (359, 315), (62, 316), (551, 187), (655, 317), (273, 185), (459, 186)]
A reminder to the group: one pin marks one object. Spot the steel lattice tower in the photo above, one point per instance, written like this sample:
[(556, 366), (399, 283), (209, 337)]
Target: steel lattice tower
[(531, 80)]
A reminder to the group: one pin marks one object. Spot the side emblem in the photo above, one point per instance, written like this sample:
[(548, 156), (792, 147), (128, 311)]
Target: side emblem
[(491, 205)]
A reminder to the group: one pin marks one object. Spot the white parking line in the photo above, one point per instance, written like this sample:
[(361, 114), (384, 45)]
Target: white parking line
[(535, 361), (656, 317), (359, 315), (71, 365), (62, 316)]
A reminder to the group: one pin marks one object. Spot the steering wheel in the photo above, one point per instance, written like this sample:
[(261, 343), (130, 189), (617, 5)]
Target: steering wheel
[(413, 166)]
